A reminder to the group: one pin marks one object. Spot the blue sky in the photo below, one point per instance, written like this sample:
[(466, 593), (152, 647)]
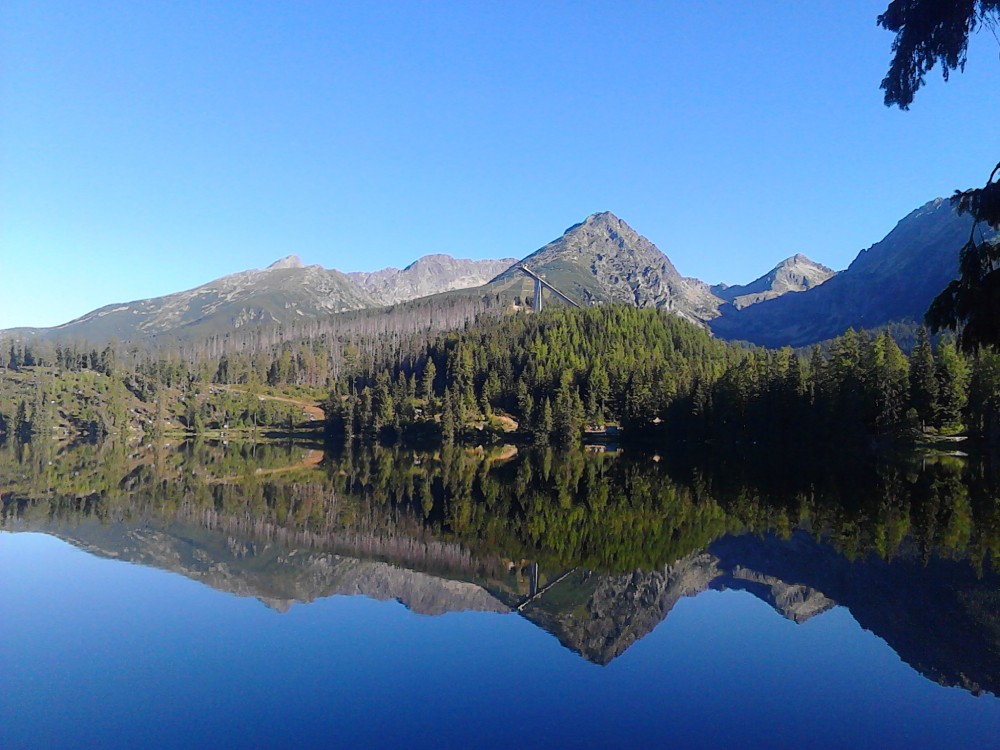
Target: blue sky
[(149, 147)]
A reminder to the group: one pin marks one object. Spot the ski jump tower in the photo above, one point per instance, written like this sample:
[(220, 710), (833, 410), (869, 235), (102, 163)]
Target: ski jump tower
[(539, 283)]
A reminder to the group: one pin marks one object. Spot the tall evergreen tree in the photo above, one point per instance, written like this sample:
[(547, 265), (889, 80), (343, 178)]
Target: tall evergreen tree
[(888, 382), (449, 428), (923, 380), (952, 375), (22, 425)]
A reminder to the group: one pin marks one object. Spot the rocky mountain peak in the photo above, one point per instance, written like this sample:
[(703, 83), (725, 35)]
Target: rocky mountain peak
[(603, 217), (603, 260), (289, 261), (433, 258), (799, 260), (607, 224), (794, 274)]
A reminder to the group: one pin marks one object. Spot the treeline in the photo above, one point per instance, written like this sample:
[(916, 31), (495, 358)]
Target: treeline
[(169, 382), (549, 377), (563, 508), (564, 371), (555, 373), (312, 353), (861, 388)]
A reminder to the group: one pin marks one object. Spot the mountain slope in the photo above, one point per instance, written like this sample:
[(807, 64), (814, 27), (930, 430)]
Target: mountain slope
[(893, 280), (285, 292), (604, 260), (431, 274), (281, 293)]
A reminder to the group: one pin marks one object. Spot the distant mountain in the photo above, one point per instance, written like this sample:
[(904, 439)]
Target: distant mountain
[(431, 274), (285, 292), (795, 274), (893, 280), (282, 292), (603, 260)]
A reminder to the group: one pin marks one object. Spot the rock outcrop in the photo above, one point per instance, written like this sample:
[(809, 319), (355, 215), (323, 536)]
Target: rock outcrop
[(431, 274)]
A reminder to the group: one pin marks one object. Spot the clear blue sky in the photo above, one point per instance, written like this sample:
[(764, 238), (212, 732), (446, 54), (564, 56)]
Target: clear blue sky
[(149, 147)]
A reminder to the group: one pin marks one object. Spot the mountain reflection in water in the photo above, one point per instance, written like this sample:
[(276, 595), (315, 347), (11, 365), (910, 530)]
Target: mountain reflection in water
[(593, 548)]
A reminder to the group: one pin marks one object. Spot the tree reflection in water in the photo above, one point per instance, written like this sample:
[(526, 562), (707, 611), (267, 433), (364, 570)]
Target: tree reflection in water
[(594, 547)]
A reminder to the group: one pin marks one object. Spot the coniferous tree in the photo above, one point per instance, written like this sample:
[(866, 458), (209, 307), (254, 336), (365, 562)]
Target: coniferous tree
[(983, 407), (22, 425), (383, 403), (923, 380), (952, 375), (568, 410), (449, 427), (544, 425), (598, 391), (887, 384), (524, 401), (427, 380)]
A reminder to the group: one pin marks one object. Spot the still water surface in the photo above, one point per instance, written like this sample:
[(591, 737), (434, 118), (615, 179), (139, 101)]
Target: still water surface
[(233, 597)]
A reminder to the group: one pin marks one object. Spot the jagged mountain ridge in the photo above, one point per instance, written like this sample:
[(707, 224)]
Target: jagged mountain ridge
[(285, 292), (598, 261), (431, 274), (894, 280)]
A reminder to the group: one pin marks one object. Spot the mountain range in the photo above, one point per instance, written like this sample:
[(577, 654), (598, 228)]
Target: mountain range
[(601, 260), (285, 292), (893, 280)]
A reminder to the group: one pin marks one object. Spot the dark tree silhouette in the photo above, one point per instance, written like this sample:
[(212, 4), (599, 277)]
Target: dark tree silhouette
[(929, 32), (971, 303)]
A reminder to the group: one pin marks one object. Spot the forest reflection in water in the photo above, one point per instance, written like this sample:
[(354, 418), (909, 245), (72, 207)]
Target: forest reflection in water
[(594, 547)]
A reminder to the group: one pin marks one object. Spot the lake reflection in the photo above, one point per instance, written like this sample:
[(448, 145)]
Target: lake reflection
[(723, 598)]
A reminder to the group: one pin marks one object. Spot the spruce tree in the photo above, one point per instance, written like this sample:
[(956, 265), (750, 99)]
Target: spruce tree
[(448, 426), (952, 374), (923, 380), (543, 427)]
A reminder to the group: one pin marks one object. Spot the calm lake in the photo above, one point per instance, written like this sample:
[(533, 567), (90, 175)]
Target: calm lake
[(282, 596)]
